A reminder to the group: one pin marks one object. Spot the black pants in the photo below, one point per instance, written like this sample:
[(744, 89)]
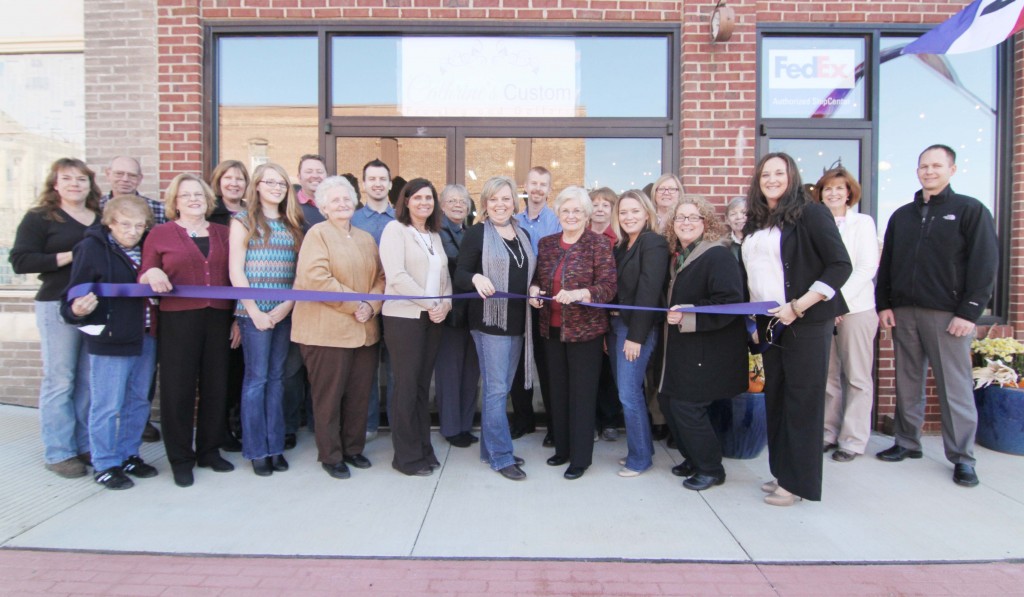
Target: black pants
[(573, 396), (688, 421), (609, 409), (413, 345), (523, 416), (795, 374), (193, 353)]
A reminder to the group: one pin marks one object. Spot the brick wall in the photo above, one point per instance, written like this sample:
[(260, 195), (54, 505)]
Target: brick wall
[(21, 367), (120, 86)]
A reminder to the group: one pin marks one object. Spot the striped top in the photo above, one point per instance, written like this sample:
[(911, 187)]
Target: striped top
[(268, 264)]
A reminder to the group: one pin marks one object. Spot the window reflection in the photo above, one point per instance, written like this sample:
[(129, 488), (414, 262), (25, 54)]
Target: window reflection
[(926, 99), (267, 92), (814, 157), (598, 76), (407, 157), (812, 77)]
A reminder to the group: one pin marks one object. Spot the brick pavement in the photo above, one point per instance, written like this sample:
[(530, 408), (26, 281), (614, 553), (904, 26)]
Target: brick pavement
[(25, 573)]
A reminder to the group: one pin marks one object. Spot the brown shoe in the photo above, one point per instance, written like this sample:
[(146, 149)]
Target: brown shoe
[(72, 468), (85, 458)]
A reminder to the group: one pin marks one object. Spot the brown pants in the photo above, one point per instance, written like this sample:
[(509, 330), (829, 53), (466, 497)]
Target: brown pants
[(340, 379)]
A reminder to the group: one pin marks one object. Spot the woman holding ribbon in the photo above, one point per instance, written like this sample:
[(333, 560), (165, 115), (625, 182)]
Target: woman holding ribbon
[(793, 255), (415, 265), (641, 260), (576, 266), (705, 354), (189, 250), (339, 340), (68, 207), (264, 241), (496, 257)]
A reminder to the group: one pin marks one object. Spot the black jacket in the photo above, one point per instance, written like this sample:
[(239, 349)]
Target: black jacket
[(96, 260), (643, 270), (939, 255)]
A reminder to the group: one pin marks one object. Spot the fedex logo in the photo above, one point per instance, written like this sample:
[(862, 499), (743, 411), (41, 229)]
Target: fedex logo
[(811, 69)]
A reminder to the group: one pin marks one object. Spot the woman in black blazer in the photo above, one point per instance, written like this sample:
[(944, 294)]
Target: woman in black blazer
[(641, 258), (705, 355), (793, 255)]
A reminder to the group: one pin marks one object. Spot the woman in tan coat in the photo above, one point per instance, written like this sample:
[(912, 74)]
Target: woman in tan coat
[(339, 340)]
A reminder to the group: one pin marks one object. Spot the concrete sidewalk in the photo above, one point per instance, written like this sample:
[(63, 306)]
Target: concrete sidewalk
[(872, 512)]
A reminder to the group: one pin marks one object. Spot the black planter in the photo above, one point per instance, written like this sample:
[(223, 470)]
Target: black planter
[(1000, 419), (740, 425)]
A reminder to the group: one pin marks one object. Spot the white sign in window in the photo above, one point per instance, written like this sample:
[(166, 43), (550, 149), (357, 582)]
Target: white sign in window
[(812, 69)]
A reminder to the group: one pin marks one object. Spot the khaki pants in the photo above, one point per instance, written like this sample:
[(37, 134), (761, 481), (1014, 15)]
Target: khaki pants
[(849, 393)]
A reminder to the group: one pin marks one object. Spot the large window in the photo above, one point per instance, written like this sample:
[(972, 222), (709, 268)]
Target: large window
[(596, 105)]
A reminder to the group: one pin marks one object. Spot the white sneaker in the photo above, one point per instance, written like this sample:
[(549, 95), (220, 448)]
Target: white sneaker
[(628, 472)]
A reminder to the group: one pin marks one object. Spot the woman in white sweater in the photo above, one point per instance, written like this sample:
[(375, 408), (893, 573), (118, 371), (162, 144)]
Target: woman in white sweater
[(848, 395), (415, 264)]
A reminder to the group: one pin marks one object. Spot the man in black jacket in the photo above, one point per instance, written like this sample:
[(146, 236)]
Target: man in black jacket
[(935, 279)]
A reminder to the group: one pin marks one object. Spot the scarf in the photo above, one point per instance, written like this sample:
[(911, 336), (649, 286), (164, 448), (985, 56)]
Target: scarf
[(495, 261)]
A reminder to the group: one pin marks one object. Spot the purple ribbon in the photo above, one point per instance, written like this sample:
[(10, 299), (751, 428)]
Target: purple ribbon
[(275, 294)]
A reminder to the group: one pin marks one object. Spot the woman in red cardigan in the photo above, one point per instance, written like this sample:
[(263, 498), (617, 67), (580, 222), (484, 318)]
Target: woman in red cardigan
[(194, 339), (573, 267)]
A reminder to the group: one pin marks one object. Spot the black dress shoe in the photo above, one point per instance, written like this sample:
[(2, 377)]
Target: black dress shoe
[(829, 447), (230, 444), (338, 471), (898, 453), (472, 438), (659, 432), (700, 482), (262, 467), (289, 441), (217, 463), (459, 441), (557, 460), (150, 434), (963, 474), (183, 476), (519, 461), (513, 473), (841, 455), (357, 460), (670, 443), (683, 469), (278, 462), (574, 472), (549, 440), (518, 432)]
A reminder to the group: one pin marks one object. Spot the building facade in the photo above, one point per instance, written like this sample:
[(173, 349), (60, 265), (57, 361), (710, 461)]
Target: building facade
[(601, 92)]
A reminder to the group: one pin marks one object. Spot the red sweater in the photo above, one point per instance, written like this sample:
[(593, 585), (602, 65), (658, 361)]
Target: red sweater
[(589, 263), (170, 248)]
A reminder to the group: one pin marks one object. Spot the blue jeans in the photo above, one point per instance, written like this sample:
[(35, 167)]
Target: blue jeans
[(64, 392), (629, 377), (120, 404), (499, 358), (263, 388)]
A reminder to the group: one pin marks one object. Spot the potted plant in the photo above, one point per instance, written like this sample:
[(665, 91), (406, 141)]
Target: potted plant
[(998, 367), (740, 422)]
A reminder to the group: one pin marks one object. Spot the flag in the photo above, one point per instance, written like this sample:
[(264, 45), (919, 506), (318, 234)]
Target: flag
[(983, 24)]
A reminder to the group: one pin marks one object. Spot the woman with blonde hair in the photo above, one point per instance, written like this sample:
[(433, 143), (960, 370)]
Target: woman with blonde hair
[(191, 250), (264, 242), (665, 193)]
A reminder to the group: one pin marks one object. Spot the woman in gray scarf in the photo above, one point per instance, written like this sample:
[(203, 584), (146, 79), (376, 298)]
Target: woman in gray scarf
[(496, 256)]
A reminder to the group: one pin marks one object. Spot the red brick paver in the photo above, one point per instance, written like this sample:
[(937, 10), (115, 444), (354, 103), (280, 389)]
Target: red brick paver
[(25, 572)]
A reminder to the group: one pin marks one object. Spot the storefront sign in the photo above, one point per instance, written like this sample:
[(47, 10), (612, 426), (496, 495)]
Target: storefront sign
[(812, 69), (475, 76)]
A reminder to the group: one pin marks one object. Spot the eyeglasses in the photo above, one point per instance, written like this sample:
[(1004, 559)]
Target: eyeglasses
[(667, 190), (690, 219), (129, 227), (275, 183)]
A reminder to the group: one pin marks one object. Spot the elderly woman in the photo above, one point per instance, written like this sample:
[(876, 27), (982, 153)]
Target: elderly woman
[(67, 208), (264, 241), (573, 267), (641, 260), (415, 264), (193, 341), (229, 182), (339, 340), (496, 257), (666, 192), (849, 393), (457, 371), (122, 349), (705, 355), (602, 221), (735, 219), (794, 256)]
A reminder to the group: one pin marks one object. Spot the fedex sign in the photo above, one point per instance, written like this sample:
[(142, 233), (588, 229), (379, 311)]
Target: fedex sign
[(811, 69)]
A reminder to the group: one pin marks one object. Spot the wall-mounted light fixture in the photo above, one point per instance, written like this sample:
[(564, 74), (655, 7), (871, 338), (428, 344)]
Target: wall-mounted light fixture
[(723, 19)]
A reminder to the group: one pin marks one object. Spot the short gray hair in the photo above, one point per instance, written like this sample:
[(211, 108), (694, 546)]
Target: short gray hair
[(459, 190), (735, 203), (577, 193), (332, 182)]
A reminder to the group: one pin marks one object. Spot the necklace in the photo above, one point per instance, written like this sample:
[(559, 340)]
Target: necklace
[(193, 232), (519, 259), (425, 239)]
